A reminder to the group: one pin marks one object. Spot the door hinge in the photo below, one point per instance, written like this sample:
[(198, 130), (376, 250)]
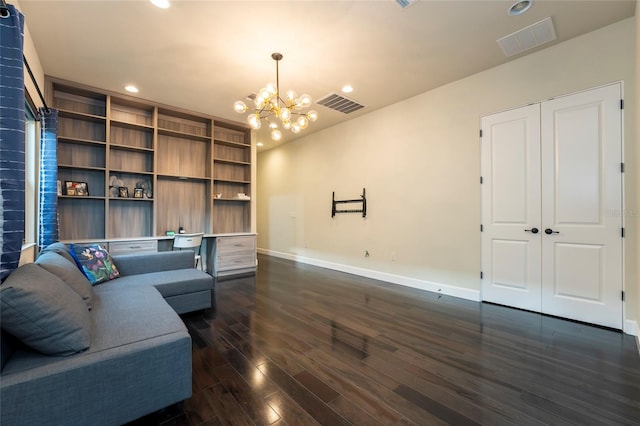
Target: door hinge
[(481, 228), (622, 294), (622, 232), (481, 180), (621, 167), (480, 132), (481, 275), (621, 103)]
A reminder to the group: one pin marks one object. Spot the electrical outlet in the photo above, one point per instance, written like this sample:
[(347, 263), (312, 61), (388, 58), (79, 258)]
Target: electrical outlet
[(393, 256)]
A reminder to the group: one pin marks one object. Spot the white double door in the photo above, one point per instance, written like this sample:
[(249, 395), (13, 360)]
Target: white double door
[(551, 207)]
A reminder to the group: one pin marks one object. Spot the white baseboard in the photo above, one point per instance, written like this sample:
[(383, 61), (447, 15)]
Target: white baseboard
[(631, 327), (434, 287)]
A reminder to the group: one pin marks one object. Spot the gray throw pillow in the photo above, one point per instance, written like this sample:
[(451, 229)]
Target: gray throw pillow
[(61, 249), (43, 312), (69, 273)]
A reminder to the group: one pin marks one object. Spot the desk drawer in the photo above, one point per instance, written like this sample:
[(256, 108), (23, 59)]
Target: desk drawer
[(238, 260), (229, 245), (131, 247)]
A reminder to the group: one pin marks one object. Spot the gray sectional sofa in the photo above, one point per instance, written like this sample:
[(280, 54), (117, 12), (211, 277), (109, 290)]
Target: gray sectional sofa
[(106, 354)]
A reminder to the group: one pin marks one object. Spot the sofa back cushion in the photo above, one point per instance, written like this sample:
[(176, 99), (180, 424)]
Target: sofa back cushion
[(69, 273), (43, 312), (61, 249)]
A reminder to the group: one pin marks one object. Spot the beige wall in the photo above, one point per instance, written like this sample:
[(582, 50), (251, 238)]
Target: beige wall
[(420, 163), (635, 187)]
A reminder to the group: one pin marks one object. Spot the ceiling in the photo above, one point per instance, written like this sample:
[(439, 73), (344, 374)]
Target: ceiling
[(205, 55)]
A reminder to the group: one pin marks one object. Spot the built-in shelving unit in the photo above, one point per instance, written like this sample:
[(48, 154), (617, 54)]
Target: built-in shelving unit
[(232, 177), (192, 167)]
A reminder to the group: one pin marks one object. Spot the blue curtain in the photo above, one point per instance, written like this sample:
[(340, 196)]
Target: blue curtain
[(12, 136), (48, 181)]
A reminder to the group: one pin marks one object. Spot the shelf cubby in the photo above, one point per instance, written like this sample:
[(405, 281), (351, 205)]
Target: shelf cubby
[(183, 125), (190, 208), (183, 157), (131, 135), (135, 161), (130, 112), (81, 154), (73, 99), (132, 217), (81, 218), (93, 177)]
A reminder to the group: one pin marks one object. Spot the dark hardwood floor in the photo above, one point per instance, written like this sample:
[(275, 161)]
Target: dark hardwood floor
[(301, 345)]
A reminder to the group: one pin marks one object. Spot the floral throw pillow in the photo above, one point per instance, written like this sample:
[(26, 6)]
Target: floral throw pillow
[(95, 262)]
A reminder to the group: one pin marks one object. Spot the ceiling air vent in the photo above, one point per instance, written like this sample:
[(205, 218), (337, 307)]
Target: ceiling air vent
[(339, 103), (405, 3), (527, 38)]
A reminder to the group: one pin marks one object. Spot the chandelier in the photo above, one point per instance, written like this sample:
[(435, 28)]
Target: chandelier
[(277, 111)]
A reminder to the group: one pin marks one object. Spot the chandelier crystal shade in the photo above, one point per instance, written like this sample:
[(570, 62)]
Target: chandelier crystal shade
[(286, 112)]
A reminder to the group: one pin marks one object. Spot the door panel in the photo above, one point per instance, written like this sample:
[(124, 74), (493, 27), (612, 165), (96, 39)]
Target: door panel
[(510, 204), (581, 181), (579, 272), (510, 264), (578, 153)]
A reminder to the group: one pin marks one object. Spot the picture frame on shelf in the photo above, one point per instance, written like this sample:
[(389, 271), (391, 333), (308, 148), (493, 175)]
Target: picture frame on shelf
[(76, 189), (59, 188), (123, 192), (138, 193)]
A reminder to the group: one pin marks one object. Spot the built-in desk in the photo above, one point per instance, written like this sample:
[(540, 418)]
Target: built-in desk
[(222, 254)]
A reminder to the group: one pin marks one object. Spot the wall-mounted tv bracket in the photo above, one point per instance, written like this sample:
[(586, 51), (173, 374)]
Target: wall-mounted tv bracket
[(362, 200)]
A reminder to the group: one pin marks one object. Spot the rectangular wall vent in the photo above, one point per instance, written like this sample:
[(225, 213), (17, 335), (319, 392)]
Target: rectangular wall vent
[(339, 103), (405, 3), (527, 38)]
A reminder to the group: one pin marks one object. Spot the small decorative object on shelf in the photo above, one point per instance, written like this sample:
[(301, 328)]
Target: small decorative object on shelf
[(123, 192), (138, 193), (146, 188), (171, 233), (243, 196), (76, 188), (59, 188), (218, 195)]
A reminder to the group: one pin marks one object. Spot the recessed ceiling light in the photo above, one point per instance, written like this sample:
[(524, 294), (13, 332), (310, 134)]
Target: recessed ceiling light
[(131, 88), (347, 88), (162, 4), (520, 7), (259, 144)]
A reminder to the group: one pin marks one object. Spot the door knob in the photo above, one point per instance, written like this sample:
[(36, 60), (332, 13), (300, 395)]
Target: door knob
[(550, 231), (532, 230)]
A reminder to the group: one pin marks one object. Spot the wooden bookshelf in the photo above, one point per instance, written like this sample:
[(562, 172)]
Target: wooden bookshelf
[(184, 159)]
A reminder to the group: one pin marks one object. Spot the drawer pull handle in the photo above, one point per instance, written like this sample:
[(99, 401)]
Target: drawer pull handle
[(135, 247)]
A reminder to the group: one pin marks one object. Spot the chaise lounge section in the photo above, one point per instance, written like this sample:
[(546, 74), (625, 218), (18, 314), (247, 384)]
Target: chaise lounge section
[(135, 355)]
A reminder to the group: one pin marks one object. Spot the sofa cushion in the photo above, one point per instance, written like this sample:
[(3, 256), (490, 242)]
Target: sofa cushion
[(96, 262), (8, 345), (67, 272), (62, 250), (168, 283), (43, 312)]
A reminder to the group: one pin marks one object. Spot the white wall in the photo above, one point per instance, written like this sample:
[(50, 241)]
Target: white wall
[(420, 163), (636, 259)]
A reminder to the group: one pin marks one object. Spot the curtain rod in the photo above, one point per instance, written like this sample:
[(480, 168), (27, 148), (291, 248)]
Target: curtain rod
[(46, 108)]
